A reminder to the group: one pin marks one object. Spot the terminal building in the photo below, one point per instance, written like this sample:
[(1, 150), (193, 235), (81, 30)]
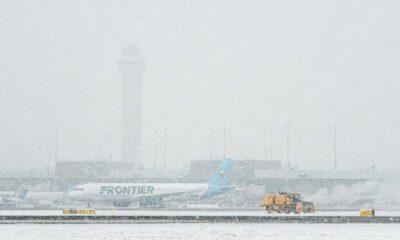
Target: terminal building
[(268, 176), (241, 169)]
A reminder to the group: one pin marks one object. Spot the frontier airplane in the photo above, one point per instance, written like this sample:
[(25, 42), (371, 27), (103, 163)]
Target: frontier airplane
[(123, 194)]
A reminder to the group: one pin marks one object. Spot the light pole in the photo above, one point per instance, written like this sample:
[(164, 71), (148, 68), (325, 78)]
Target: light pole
[(211, 143), (56, 146), (266, 147), (287, 144), (270, 144), (110, 145), (334, 147), (224, 132), (155, 149), (165, 147)]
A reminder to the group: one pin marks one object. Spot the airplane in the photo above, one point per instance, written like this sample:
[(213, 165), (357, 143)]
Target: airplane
[(151, 194), (22, 196), (12, 198)]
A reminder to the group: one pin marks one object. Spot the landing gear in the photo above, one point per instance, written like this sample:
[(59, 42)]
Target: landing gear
[(121, 204)]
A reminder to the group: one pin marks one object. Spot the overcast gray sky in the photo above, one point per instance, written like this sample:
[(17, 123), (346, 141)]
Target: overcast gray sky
[(243, 66)]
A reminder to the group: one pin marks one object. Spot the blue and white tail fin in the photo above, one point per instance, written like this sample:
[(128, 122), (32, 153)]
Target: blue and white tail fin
[(218, 182)]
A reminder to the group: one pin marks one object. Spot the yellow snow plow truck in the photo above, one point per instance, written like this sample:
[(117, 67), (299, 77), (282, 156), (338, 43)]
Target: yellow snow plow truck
[(286, 202)]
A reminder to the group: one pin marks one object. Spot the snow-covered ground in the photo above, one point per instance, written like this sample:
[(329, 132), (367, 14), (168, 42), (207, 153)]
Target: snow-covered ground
[(260, 212), (201, 231)]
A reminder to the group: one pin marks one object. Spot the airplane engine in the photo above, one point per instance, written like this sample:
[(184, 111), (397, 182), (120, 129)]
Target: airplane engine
[(121, 204), (150, 201)]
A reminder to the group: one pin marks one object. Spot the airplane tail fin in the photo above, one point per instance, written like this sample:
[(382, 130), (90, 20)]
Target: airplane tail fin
[(218, 182)]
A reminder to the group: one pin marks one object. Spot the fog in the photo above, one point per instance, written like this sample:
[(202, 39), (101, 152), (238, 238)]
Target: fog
[(364, 194), (241, 66)]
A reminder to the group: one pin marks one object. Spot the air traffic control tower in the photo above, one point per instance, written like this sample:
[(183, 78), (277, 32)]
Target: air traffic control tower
[(131, 66)]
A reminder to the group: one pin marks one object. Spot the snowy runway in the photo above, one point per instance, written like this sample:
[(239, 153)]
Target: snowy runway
[(202, 231), (131, 212), (165, 217)]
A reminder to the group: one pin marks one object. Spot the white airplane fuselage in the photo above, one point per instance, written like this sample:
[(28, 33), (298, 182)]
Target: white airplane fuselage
[(129, 192)]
